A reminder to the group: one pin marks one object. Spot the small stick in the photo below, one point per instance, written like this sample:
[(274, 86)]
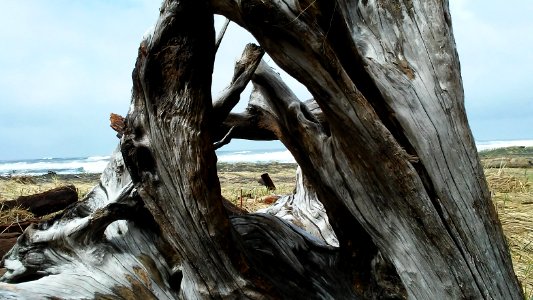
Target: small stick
[(221, 34), (225, 140), (241, 198)]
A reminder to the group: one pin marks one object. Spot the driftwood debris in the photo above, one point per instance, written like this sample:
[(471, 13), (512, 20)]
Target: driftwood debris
[(392, 161), (10, 232), (46, 202), (267, 181), (39, 205), (18, 227), (7, 240)]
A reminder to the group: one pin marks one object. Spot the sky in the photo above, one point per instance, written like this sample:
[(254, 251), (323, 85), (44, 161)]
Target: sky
[(65, 65)]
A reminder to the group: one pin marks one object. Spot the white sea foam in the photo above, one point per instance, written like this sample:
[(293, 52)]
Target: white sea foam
[(282, 156), (487, 145), (98, 158), (96, 164), (60, 166), (95, 167), (242, 152)]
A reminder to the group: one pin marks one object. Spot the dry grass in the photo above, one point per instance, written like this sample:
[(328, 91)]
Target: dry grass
[(14, 216), (512, 191), (12, 188), (240, 181)]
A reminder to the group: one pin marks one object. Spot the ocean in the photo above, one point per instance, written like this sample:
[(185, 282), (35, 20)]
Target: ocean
[(96, 164)]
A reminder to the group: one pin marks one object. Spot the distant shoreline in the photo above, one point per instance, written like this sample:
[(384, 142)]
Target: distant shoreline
[(491, 145), (238, 159), (260, 167), (51, 177)]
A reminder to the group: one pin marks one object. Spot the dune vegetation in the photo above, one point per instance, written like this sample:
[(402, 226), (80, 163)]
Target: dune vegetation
[(509, 173)]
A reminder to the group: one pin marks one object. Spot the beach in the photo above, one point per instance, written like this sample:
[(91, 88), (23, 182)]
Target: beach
[(236, 180), (511, 190)]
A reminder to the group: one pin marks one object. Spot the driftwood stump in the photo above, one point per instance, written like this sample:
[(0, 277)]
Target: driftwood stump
[(384, 144), (267, 181)]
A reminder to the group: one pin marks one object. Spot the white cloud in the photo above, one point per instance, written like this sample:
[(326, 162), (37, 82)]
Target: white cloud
[(494, 42), (69, 63), (65, 65)]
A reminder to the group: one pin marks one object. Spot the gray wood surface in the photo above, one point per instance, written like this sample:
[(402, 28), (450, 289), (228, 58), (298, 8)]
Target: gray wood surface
[(385, 147), (304, 210), (103, 247), (386, 76)]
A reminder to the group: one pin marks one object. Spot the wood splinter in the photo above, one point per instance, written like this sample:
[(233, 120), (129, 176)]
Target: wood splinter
[(117, 123)]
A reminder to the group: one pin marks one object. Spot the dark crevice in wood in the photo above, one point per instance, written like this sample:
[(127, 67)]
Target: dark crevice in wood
[(175, 280), (29, 277), (277, 249), (145, 160)]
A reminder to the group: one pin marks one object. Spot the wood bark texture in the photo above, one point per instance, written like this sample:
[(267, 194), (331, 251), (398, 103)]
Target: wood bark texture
[(391, 201), (406, 167), (106, 246)]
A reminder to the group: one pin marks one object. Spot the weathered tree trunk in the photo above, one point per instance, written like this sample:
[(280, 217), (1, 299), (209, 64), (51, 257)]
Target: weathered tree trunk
[(384, 146), (169, 152), (399, 154)]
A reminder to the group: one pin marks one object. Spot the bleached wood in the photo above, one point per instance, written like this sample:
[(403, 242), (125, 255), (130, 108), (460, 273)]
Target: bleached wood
[(97, 248), (388, 83), (388, 153), (304, 210)]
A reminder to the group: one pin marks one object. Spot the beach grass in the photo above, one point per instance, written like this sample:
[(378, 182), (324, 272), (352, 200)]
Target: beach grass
[(511, 190), (239, 182), (508, 151), (15, 186), (512, 195)]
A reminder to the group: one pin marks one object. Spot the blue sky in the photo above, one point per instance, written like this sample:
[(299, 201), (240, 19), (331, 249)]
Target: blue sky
[(65, 65)]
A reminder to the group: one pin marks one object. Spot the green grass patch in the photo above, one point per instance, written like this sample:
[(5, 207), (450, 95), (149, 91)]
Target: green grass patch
[(508, 151)]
